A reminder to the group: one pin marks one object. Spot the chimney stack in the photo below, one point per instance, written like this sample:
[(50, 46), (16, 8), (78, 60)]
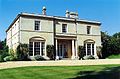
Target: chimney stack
[(44, 10), (71, 14), (67, 14)]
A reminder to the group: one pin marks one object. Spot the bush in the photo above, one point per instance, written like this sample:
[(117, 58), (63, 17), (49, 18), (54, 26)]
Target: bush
[(2, 55), (39, 58), (9, 58), (22, 52), (81, 52), (50, 51), (88, 57)]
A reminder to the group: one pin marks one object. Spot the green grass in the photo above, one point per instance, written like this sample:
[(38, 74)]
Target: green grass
[(114, 56), (62, 72)]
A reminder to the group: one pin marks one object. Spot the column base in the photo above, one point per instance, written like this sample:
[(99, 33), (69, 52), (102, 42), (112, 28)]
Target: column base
[(73, 57), (57, 58)]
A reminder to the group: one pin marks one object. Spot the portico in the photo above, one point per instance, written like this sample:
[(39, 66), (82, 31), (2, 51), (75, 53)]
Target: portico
[(66, 48)]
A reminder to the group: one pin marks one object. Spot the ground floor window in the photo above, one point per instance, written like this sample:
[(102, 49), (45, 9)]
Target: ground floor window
[(36, 48), (89, 49)]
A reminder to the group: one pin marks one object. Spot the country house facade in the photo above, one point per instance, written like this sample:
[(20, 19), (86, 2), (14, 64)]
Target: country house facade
[(66, 34)]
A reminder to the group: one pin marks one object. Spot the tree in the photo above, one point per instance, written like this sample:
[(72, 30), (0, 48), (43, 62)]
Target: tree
[(110, 44)]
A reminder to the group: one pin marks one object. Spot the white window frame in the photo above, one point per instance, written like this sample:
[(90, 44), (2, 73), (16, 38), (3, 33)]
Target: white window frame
[(39, 25), (89, 30), (65, 28)]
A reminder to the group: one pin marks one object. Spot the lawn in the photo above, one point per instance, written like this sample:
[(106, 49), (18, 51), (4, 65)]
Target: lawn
[(114, 56), (62, 72)]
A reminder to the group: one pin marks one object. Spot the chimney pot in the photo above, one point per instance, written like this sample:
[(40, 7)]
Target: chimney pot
[(44, 10)]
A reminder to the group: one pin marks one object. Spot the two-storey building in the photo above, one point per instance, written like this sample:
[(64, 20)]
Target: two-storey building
[(66, 34)]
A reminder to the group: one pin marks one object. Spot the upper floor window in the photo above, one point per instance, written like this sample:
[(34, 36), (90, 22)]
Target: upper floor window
[(88, 29), (37, 25), (64, 28)]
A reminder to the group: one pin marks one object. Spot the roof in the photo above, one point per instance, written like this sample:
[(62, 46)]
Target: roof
[(52, 17)]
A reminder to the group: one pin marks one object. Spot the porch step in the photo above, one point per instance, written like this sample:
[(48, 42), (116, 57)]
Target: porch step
[(66, 59)]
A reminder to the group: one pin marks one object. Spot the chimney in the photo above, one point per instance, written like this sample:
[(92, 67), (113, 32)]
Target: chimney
[(44, 10), (74, 15), (67, 14)]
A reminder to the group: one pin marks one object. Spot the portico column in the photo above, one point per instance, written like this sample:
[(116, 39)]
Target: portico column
[(86, 48), (73, 50), (57, 57), (95, 53), (33, 48), (76, 49)]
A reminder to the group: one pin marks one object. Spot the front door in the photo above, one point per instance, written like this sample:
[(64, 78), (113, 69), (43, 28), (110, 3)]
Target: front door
[(62, 50)]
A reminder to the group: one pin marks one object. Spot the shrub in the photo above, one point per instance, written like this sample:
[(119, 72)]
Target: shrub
[(39, 58), (2, 55), (22, 52), (81, 52), (9, 58), (88, 57), (50, 51)]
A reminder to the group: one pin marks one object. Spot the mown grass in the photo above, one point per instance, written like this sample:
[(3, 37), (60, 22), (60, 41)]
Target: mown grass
[(114, 56), (62, 72)]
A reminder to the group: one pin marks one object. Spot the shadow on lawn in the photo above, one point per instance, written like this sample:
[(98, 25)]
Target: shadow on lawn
[(107, 73)]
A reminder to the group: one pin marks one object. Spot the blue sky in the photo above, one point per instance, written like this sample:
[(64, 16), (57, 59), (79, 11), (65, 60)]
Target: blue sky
[(105, 11)]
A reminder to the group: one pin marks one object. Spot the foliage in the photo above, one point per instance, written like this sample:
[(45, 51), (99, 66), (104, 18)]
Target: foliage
[(114, 56), (99, 53), (81, 53), (39, 58), (10, 58), (50, 51), (3, 50), (22, 52), (110, 44), (88, 57)]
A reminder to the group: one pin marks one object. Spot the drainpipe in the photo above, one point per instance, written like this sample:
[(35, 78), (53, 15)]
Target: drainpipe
[(54, 34)]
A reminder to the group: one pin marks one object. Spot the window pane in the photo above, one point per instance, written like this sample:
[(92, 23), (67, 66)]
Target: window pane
[(64, 28), (37, 25), (37, 48), (88, 49), (92, 49), (31, 48), (88, 29), (42, 48)]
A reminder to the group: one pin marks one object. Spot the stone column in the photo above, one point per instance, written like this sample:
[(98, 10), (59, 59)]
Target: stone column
[(57, 57), (76, 50), (73, 50)]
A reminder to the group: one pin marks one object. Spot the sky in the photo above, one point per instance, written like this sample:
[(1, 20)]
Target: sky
[(105, 11)]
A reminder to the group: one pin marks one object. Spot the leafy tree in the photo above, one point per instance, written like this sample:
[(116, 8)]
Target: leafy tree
[(110, 44)]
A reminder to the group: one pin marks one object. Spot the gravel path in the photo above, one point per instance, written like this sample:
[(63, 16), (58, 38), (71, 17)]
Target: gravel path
[(14, 64)]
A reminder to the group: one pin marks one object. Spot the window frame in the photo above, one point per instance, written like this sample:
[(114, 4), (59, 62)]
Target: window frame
[(65, 29), (35, 25), (88, 30)]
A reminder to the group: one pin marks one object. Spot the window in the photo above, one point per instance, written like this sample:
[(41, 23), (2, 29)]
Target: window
[(64, 28), (42, 48), (36, 48), (37, 25), (88, 29), (31, 48), (89, 49)]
